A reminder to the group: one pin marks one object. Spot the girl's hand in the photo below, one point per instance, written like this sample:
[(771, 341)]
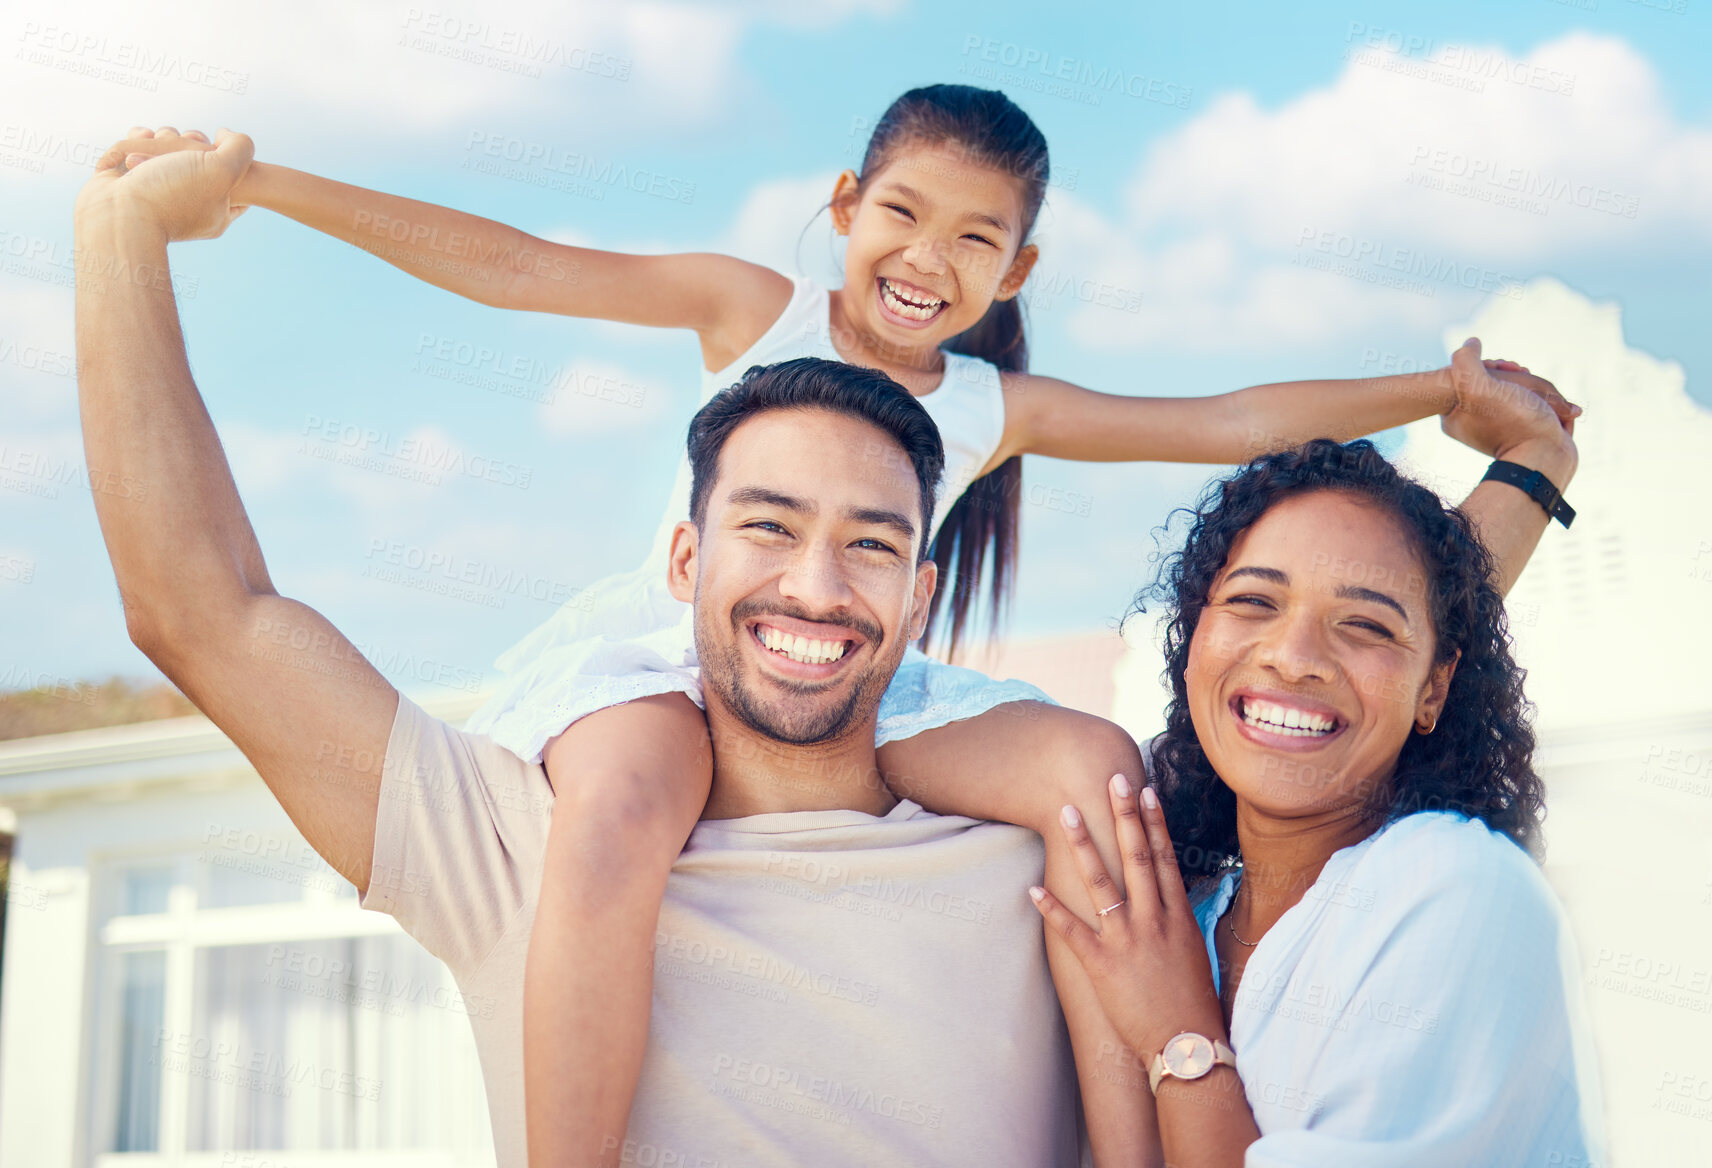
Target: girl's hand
[(1148, 961)]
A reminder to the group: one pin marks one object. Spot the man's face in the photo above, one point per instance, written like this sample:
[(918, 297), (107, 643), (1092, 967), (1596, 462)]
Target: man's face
[(804, 575)]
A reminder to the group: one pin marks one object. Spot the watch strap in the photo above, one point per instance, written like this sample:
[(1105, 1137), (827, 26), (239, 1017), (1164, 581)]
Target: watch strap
[(1535, 485)]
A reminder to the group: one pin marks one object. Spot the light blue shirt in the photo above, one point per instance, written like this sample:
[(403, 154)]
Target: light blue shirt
[(1420, 1005)]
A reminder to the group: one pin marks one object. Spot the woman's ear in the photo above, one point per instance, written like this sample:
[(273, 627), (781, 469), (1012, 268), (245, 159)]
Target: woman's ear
[(682, 563), (1433, 697), (1018, 273), (844, 196)]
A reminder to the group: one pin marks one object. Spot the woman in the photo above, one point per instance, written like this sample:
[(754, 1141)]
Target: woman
[(1347, 753)]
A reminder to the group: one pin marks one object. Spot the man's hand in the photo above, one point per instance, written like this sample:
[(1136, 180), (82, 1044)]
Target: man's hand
[(185, 190), (1502, 409)]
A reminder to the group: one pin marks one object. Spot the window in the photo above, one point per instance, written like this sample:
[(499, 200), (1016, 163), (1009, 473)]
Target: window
[(245, 1004)]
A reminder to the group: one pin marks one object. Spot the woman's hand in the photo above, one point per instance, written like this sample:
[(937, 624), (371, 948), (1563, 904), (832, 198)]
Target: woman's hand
[(1504, 411), (1148, 961)]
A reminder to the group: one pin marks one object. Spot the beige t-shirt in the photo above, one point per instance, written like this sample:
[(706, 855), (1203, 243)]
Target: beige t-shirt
[(830, 987)]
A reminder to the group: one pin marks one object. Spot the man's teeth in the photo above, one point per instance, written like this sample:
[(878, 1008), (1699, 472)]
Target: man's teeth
[(921, 307), (1285, 720), (804, 649)]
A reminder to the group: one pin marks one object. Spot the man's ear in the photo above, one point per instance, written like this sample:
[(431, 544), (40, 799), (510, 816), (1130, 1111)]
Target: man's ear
[(1018, 273), (926, 580), (1431, 705), (682, 563), (844, 196)]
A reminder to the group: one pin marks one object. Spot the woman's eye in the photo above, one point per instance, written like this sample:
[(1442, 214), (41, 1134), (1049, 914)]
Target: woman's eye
[(1373, 627), (1257, 601)]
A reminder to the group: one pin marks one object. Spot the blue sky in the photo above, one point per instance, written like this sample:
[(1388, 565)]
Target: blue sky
[(1240, 141)]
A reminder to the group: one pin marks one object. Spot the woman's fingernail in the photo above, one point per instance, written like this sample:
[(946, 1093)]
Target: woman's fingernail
[(1149, 798), (1120, 787), (1070, 816), (1036, 893)]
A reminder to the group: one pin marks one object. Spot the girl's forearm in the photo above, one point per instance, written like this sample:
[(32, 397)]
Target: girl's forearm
[(474, 257), (1288, 413)]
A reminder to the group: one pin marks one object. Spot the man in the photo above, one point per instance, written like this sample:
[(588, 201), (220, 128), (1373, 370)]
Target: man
[(843, 977)]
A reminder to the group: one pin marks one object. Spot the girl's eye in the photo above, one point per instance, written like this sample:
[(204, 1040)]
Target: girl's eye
[(981, 239), (904, 211)]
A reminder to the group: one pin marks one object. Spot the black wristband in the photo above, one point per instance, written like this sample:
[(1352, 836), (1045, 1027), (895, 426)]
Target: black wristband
[(1536, 486)]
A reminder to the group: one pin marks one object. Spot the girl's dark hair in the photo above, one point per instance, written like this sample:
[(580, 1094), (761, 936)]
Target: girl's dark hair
[(814, 383), (1479, 758), (991, 131)]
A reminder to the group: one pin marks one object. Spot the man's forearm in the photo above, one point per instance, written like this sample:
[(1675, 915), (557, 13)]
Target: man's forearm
[(175, 529)]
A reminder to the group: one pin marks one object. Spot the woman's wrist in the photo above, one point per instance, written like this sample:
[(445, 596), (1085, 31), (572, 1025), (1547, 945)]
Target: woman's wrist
[(1555, 458)]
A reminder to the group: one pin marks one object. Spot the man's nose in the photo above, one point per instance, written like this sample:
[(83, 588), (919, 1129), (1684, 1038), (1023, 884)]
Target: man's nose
[(815, 577)]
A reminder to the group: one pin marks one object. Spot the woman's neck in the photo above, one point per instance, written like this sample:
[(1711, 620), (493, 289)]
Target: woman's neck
[(1281, 859)]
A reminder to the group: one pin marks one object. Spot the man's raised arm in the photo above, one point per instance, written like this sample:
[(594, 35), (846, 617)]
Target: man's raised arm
[(303, 705)]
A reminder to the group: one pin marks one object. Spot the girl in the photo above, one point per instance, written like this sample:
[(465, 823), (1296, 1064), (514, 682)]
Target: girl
[(937, 225)]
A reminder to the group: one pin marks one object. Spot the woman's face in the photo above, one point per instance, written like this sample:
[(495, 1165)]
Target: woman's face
[(1312, 662)]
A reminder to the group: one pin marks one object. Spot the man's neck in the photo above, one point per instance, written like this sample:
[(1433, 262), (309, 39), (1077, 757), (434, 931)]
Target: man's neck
[(754, 774)]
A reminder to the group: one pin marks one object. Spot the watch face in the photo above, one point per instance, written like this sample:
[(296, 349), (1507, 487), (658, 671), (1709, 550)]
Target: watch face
[(1188, 1056)]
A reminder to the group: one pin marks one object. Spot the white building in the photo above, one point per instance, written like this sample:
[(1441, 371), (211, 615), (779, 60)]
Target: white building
[(186, 983)]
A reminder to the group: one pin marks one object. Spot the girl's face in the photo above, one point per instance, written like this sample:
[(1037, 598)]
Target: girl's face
[(934, 240), (1312, 662)]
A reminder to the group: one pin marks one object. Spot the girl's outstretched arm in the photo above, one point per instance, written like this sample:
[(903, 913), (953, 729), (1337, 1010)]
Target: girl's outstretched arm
[(1044, 415), (727, 301)]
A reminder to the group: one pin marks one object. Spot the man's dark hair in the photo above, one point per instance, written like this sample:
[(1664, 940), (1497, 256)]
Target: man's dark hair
[(814, 383)]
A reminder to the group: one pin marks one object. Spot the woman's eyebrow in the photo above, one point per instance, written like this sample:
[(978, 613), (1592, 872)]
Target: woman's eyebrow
[(1346, 591)]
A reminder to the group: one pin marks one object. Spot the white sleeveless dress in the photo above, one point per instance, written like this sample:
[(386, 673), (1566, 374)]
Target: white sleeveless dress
[(627, 637)]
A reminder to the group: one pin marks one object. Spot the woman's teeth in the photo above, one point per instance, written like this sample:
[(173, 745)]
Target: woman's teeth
[(1293, 723), (913, 305), (804, 649)]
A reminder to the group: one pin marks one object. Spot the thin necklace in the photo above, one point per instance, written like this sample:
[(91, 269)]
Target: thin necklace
[(1230, 923)]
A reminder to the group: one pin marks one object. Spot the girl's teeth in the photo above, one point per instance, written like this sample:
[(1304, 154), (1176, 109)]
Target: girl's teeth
[(904, 308)]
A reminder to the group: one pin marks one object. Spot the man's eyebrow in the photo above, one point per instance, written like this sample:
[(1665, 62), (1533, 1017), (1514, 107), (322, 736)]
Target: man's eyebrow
[(881, 517), (768, 497), (910, 192)]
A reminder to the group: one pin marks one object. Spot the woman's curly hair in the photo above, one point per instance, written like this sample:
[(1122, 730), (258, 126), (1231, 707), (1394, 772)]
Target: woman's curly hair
[(1477, 761)]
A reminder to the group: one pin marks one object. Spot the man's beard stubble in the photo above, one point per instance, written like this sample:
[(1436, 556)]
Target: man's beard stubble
[(806, 722)]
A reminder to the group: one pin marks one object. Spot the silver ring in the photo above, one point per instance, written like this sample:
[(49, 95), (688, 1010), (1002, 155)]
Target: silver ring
[(1114, 908)]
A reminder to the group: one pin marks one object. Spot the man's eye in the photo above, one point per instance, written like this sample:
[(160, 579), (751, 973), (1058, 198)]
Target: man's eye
[(766, 525), (876, 545)]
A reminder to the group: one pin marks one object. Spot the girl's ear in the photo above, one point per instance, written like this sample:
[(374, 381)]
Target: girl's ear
[(1018, 274), (844, 196)]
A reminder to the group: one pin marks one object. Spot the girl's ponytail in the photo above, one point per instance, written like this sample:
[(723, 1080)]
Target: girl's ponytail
[(984, 518)]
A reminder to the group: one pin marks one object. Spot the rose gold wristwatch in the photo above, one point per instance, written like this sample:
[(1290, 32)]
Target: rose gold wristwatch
[(1189, 1056)]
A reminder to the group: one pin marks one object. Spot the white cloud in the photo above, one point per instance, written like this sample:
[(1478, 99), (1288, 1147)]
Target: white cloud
[(1390, 198)]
